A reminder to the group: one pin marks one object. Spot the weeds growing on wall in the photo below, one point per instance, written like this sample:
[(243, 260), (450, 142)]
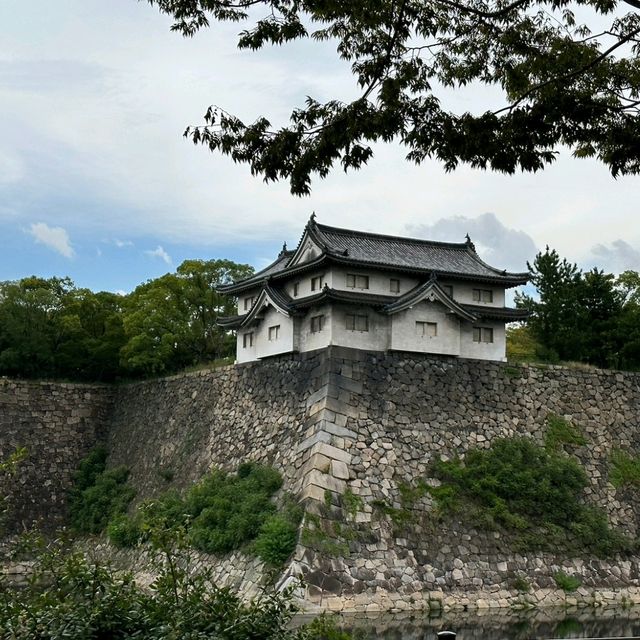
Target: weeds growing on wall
[(222, 513), (561, 432), (530, 491), (98, 494), (69, 597), (625, 469)]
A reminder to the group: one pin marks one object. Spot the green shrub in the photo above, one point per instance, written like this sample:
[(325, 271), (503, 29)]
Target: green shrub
[(228, 511), (625, 469), (521, 584), (276, 540), (124, 531), (222, 513), (561, 432), (69, 597), (529, 490), (98, 494), (565, 582)]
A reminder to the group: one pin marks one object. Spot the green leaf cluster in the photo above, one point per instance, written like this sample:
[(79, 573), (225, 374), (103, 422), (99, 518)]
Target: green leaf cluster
[(49, 328), (70, 597), (591, 317), (530, 491), (625, 469), (559, 81), (221, 513), (98, 494)]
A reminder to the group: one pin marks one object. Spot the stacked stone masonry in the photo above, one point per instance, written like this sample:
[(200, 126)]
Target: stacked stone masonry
[(342, 421)]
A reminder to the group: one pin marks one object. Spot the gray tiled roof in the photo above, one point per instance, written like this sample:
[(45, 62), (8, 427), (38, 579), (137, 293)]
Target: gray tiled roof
[(427, 255), (279, 264), (344, 246)]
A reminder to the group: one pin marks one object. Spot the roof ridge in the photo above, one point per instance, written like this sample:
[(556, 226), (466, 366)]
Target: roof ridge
[(355, 232)]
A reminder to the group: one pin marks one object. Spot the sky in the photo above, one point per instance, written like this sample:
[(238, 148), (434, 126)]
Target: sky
[(98, 183)]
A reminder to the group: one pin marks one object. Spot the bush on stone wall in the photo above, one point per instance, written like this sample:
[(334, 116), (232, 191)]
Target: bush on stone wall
[(98, 494), (222, 513), (530, 491), (69, 597)]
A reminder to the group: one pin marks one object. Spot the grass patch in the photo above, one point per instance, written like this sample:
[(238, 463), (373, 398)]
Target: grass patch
[(529, 491), (566, 582), (625, 469), (561, 432)]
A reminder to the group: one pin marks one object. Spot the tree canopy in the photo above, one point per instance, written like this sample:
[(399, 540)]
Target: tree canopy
[(591, 317), (49, 328), (567, 73)]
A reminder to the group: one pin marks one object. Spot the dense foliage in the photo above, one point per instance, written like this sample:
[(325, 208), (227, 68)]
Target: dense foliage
[(562, 73), (591, 317), (221, 513), (533, 492), (98, 494), (69, 597), (50, 328)]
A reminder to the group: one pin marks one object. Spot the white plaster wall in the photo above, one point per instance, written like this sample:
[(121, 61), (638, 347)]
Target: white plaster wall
[(249, 353), (307, 341), (463, 292), (284, 343), (376, 339), (378, 281), (262, 346), (304, 289), (252, 293), (482, 350), (404, 336)]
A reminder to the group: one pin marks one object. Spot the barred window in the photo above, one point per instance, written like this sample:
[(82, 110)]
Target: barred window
[(394, 285), (317, 324), (355, 281), (355, 322), (247, 340), (482, 295), (482, 334), (426, 329), (274, 332)]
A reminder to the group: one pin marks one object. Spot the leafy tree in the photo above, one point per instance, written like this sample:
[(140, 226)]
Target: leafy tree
[(589, 317), (552, 318), (170, 322), (30, 331), (567, 72)]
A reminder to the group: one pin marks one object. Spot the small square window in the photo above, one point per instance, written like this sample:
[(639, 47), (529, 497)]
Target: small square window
[(248, 302), (316, 283), (357, 282), (355, 322), (482, 295), (296, 289), (426, 329), (247, 340), (317, 324), (394, 285), (274, 332), (483, 334)]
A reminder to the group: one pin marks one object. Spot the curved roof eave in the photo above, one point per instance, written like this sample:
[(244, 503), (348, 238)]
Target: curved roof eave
[(429, 290)]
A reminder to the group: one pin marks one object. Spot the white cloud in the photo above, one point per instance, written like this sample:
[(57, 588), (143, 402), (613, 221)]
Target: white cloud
[(55, 238), (159, 252), (122, 243), (502, 247), (617, 257)]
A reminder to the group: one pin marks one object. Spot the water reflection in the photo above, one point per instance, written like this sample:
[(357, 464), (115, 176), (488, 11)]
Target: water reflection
[(492, 625)]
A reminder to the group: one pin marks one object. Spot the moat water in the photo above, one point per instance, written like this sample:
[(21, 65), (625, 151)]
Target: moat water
[(492, 625)]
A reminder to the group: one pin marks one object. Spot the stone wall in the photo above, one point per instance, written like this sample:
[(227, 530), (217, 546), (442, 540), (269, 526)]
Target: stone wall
[(58, 424), (400, 411), (341, 422)]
